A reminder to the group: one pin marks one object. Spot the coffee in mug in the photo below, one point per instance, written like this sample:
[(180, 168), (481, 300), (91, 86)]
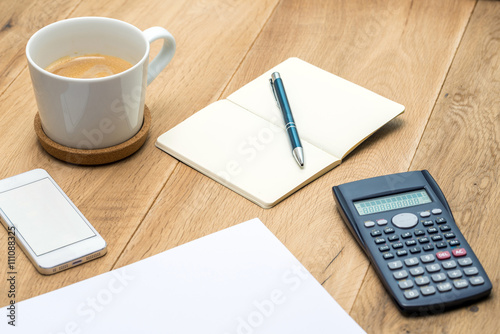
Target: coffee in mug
[(88, 66)]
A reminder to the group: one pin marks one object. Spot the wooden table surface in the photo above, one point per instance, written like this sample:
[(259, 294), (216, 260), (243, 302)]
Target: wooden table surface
[(441, 59)]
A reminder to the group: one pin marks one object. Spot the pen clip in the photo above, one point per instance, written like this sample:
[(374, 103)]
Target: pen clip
[(274, 93)]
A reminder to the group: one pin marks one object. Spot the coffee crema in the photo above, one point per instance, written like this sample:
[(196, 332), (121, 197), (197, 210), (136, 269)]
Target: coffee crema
[(88, 66)]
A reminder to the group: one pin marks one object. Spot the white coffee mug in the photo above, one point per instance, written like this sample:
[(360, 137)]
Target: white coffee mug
[(99, 112)]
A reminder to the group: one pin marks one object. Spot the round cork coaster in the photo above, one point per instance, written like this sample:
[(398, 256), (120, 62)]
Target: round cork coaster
[(97, 156)]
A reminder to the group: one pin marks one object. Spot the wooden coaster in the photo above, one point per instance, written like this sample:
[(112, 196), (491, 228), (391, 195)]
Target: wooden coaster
[(97, 156)]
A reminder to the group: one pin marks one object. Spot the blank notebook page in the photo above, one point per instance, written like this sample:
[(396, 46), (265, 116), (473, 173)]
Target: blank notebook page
[(331, 113)]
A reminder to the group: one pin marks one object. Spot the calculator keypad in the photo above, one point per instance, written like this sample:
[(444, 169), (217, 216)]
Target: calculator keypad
[(425, 259)]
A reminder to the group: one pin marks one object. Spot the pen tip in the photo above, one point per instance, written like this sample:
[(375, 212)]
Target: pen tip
[(298, 154)]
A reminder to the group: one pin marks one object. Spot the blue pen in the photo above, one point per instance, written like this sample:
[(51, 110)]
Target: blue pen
[(282, 101)]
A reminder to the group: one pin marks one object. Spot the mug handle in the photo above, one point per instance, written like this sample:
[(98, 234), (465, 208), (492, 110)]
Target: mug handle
[(166, 53)]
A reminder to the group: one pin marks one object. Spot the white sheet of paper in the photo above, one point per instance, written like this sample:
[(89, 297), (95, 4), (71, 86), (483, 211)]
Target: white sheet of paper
[(241, 280)]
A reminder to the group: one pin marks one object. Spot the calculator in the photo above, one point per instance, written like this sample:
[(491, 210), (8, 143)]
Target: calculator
[(405, 226)]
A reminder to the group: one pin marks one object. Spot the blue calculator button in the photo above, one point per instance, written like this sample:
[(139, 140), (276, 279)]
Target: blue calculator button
[(388, 256), (384, 248), (394, 237), (411, 242), (389, 230), (397, 245), (415, 250), (406, 235), (440, 220)]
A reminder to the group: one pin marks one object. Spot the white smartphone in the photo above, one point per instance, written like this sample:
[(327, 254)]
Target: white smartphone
[(48, 227)]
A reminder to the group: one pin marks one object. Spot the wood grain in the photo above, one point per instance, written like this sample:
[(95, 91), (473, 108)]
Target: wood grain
[(18, 21), (438, 58)]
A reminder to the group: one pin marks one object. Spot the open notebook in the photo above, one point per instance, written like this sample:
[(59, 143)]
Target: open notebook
[(241, 280), (241, 141)]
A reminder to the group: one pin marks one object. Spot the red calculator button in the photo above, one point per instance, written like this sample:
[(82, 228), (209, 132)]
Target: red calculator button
[(459, 252), (443, 255)]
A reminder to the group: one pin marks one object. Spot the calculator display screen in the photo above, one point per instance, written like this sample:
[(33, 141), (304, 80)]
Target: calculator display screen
[(392, 202)]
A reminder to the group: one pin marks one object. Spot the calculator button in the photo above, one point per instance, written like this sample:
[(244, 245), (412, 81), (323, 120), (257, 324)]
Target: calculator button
[(413, 261), (440, 220), (379, 241), (411, 242), (465, 262), (437, 238), (439, 277), (445, 228), (405, 284), (470, 271), (432, 268), (427, 223), (369, 223), (443, 287), (402, 252), (422, 280), (411, 294), (432, 230), (406, 235), (395, 265), (389, 230), (454, 242), (459, 252), (477, 280), (394, 237), (449, 264), (443, 255), (405, 220), (427, 258), (384, 248), (388, 256), (419, 233), (382, 222), (428, 290), (436, 211), (423, 240), (397, 245), (454, 274), (428, 247), (375, 233), (417, 271), (449, 235), (415, 250), (441, 244), (425, 214), (460, 284), (400, 274)]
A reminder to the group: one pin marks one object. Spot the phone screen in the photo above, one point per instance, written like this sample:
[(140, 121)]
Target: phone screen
[(43, 216)]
